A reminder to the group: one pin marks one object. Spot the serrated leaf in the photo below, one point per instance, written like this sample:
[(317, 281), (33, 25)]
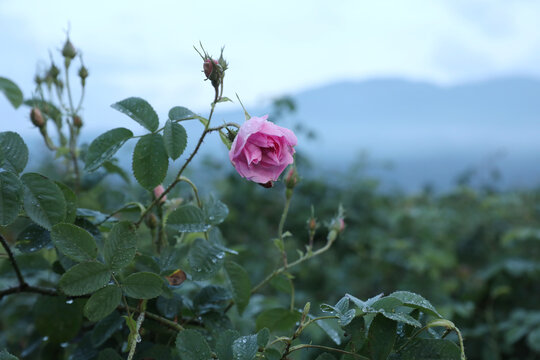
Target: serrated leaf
[(216, 211), (361, 303), (13, 152), (169, 307), (142, 285), (85, 278), (175, 139), (11, 194), (105, 328), (12, 92), (192, 345), (329, 330), (416, 301), (187, 218), (43, 200), (180, 113), (33, 238), (245, 347), (381, 337), (277, 319), (71, 202), (263, 336), (240, 284), (224, 344), (121, 245), (102, 302), (74, 242), (105, 146), (150, 161), (205, 259), (57, 318), (428, 349), (4, 355), (211, 298), (139, 110)]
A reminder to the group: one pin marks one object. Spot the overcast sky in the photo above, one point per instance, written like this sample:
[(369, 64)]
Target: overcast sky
[(136, 48)]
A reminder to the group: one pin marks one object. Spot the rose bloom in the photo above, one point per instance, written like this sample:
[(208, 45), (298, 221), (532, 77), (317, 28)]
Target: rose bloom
[(262, 150)]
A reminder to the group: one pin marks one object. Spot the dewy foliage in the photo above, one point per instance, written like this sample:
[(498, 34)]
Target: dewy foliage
[(152, 276)]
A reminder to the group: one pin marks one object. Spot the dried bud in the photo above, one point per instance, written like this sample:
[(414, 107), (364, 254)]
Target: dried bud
[(312, 224), (77, 121), (37, 117), (151, 221), (268, 184), (68, 51), (208, 67), (158, 190), (176, 278), (291, 179)]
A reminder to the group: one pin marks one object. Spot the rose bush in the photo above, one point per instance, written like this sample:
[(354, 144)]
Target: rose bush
[(262, 150)]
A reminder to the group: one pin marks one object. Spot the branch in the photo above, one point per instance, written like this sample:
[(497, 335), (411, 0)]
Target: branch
[(22, 283), (303, 346)]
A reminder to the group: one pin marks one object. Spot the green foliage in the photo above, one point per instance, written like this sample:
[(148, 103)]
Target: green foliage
[(121, 245), (205, 259), (33, 238), (192, 345), (44, 202), (175, 138), (150, 161), (58, 318), (13, 152), (245, 347), (179, 113), (11, 191), (74, 242), (102, 302), (142, 285), (187, 218), (85, 278), (12, 93), (240, 285), (140, 111), (103, 148)]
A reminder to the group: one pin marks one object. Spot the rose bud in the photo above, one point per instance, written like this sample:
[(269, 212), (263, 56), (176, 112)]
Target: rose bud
[(83, 74), (208, 67), (68, 51), (158, 190), (261, 150), (291, 179), (77, 121), (37, 117), (151, 221)]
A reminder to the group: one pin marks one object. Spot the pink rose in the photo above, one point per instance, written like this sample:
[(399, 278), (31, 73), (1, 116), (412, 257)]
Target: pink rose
[(262, 150)]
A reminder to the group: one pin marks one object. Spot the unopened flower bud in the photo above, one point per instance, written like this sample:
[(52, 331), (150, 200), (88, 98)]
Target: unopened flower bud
[(291, 179), (68, 51), (53, 72), (158, 190), (208, 67), (312, 224), (77, 121), (151, 221), (38, 80), (83, 74), (37, 117)]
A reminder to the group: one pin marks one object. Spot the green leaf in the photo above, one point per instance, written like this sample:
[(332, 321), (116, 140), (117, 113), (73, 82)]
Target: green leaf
[(142, 285), (263, 336), (381, 337), (192, 345), (121, 245), (215, 211), (175, 138), (416, 301), (389, 308), (325, 356), (111, 168), (140, 111), (4, 355), (169, 307), (74, 242), (43, 200), (224, 344), (150, 161), (240, 284), (180, 113), (211, 298), (533, 339), (102, 302), (272, 354), (109, 354), (11, 194), (105, 328), (245, 347), (12, 92), (104, 147), (58, 318), (428, 349), (85, 278), (13, 152), (205, 259), (33, 238), (277, 319), (187, 218), (71, 202), (326, 326)]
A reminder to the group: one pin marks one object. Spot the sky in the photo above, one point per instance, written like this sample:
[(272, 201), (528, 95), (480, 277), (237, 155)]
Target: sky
[(136, 48)]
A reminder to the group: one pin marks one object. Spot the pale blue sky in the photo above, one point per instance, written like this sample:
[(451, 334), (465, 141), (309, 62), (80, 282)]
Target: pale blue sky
[(274, 47)]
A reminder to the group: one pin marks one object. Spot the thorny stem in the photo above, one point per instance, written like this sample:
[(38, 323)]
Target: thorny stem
[(72, 132), (280, 229)]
